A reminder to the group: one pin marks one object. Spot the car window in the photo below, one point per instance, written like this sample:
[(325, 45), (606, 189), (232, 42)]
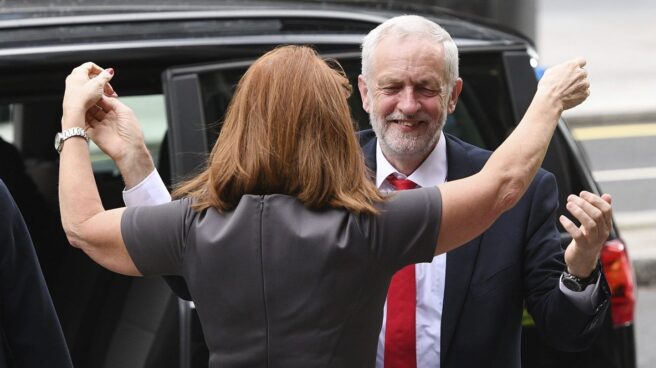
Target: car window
[(149, 109), (151, 113), (478, 118), (6, 127)]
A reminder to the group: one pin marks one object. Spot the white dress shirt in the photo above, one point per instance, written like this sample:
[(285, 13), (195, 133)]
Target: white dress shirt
[(429, 276)]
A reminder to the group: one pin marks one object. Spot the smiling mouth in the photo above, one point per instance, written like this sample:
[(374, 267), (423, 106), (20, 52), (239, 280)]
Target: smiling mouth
[(406, 123)]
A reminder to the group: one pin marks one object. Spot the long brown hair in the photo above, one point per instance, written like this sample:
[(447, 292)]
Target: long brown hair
[(288, 130)]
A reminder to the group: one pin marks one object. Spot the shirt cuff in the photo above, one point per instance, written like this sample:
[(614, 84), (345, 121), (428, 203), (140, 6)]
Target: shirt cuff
[(585, 300), (149, 192)]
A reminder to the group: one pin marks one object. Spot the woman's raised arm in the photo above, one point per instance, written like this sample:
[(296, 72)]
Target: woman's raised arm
[(86, 223), (472, 204)]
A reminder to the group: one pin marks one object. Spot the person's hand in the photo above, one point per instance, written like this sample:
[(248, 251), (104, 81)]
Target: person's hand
[(595, 215), (115, 129), (567, 83), (85, 86)]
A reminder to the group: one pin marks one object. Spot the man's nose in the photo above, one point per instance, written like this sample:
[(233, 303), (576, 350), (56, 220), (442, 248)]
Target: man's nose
[(408, 103)]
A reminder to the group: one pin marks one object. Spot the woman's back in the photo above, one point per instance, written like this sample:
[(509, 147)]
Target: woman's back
[(278, 285)]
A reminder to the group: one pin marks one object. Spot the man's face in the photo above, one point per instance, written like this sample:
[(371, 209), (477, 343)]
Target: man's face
[(407, 96)]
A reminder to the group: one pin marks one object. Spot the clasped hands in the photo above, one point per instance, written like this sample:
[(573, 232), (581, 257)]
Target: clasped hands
[(112, 125)]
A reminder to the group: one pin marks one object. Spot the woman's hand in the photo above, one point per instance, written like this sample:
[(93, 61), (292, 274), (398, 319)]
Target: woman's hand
[(566, 83), (85, 87)]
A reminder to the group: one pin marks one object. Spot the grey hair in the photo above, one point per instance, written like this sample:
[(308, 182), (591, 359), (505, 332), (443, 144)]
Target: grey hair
[(411, 26)]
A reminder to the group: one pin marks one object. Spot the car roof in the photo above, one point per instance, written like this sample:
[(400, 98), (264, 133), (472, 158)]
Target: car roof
[(362, 15), (144, 39)]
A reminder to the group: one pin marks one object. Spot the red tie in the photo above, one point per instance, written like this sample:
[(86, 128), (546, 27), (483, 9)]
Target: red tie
[(400, 328)]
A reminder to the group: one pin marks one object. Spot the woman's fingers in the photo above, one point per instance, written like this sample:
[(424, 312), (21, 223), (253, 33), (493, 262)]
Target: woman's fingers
[(109, 90), (567, 81), (108, 103), (85, 72), (103, 78)]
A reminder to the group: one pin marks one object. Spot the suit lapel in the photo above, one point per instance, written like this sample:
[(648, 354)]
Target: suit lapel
[(460, 262), (367, 140)]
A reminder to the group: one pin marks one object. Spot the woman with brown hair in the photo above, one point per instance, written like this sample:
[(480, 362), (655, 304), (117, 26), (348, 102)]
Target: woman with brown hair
[(285, 244)]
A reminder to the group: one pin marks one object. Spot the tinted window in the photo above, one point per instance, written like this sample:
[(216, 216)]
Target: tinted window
[(482, 116)]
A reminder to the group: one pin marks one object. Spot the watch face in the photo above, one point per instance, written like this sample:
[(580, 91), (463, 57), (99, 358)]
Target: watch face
[(58, 141), (571, 284)]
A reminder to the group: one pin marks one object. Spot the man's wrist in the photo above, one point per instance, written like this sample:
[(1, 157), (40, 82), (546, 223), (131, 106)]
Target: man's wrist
[(578, 284), (581, 272), (581, 262), (149, 192), (135, 166)]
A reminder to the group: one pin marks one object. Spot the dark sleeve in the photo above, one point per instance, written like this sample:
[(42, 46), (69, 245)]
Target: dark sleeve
[(559, 321), (29, 322), (38, 214), (155, 236), (406, 230)]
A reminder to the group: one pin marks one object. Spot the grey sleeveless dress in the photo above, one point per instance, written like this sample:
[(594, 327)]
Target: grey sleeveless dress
[(278, 285)]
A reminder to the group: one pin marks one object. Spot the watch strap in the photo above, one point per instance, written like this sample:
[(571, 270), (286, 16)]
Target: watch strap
[(69, 133), (576, 283)]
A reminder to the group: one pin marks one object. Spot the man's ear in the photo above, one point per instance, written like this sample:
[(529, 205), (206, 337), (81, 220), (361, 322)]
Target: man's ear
[(455, 92), (364, 93)]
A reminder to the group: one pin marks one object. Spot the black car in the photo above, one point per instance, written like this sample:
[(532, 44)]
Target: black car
[(177, 67)]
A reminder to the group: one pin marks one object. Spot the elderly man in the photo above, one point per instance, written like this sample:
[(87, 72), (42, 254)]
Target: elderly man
[(464, 309)]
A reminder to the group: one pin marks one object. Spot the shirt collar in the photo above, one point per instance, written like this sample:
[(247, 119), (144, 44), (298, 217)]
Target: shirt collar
[(431, 172)]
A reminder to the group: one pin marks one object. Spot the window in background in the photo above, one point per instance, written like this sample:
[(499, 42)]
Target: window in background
[(150, 111)]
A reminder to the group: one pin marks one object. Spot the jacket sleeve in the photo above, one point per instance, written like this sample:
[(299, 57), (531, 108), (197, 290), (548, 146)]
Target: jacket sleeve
[(559, 321), (29, 322)]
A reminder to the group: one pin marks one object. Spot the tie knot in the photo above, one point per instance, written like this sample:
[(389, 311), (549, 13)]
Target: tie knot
[(401, 184)]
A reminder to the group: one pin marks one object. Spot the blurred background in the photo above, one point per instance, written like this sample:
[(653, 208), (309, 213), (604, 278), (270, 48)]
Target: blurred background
[(617, 124)]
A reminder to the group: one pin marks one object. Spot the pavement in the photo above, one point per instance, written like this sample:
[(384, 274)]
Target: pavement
[(613, 38)]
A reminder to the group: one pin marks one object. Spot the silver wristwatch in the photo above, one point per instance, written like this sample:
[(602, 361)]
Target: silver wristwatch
[(68, 133)]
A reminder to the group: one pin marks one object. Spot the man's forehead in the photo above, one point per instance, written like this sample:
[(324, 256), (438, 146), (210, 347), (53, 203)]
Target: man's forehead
[(418, 52), (416, 41), (393, 77)]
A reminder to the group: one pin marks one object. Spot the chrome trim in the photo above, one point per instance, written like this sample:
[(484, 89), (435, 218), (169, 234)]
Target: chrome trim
[(190, 15), (342, 39), (188, 42)]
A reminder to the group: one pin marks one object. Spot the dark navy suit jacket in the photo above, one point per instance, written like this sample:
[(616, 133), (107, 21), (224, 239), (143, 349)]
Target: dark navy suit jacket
[(30, 334), (518, 259)]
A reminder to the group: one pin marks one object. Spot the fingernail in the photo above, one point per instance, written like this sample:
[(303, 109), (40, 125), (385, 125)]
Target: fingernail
[(110, 71)]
